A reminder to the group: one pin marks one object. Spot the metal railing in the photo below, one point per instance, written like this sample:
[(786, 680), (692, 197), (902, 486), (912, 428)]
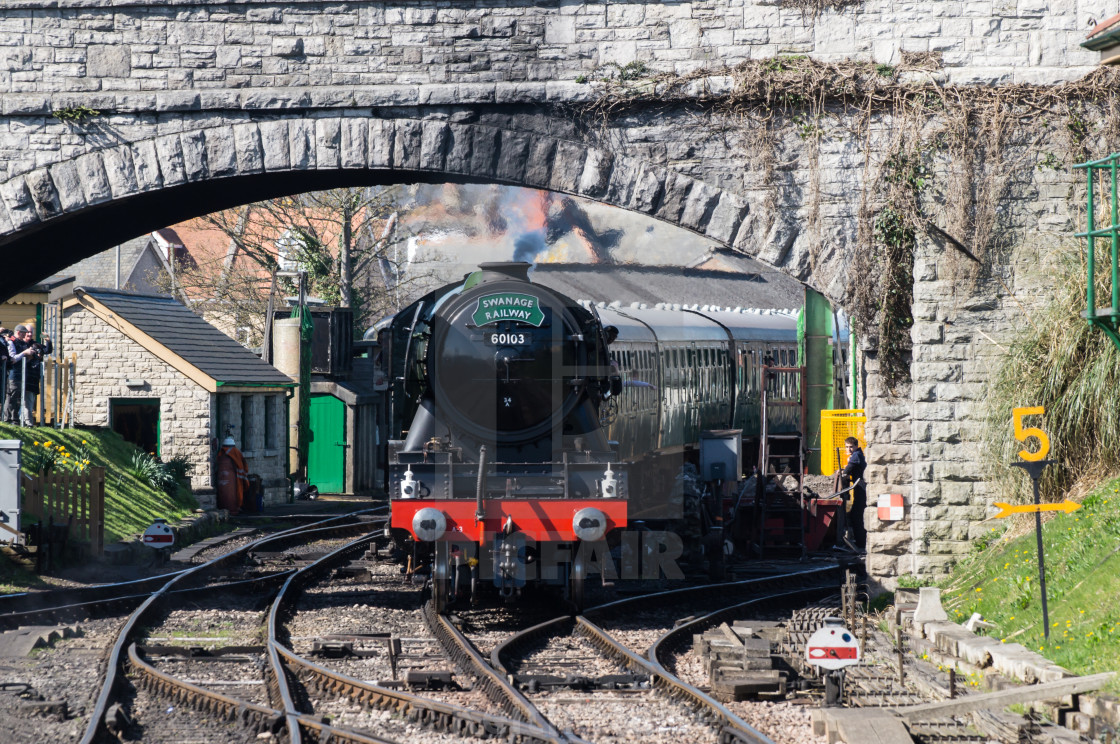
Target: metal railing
[(54, 402), (1106, 319)]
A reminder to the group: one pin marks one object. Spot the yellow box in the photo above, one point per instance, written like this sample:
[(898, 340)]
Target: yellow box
[(836, 426)]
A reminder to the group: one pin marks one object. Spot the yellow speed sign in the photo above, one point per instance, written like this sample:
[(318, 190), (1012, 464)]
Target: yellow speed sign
[(1023, 433)]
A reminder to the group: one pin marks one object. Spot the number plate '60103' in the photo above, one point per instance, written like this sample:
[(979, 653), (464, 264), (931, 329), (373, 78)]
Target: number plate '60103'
[(508, 339)]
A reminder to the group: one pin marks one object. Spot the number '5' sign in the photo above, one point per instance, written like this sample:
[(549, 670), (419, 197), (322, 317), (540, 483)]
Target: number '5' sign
[(1023, 434)]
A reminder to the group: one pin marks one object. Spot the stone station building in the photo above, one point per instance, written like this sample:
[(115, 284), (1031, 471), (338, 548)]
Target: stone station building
[(172, 382)]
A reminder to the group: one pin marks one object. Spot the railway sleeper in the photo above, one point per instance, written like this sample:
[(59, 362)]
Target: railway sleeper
[(536, 682)]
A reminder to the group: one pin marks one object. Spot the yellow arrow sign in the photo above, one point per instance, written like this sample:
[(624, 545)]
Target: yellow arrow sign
[(1006, 510)]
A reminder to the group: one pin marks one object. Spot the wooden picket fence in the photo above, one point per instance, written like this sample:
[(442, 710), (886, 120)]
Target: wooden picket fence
[(77, 499)]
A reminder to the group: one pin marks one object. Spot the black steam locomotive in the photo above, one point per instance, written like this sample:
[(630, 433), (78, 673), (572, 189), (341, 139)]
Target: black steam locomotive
[(496, 390), (527, 429)]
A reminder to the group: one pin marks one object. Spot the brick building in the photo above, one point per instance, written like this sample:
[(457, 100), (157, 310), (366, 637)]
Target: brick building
[(173, 384)]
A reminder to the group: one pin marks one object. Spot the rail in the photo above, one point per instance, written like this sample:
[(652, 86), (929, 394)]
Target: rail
[(494, 685), (441, 716), (97, 729), (819, 580)]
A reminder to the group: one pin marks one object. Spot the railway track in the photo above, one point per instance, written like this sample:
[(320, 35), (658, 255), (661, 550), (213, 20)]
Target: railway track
[(107, 715), (613, 671), (292, 691), (311, 683), (337, 644)]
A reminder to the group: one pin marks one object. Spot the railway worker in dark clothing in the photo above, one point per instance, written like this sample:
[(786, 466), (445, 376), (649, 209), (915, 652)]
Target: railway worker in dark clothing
[(5, 363), (853, 475), (21, 390)]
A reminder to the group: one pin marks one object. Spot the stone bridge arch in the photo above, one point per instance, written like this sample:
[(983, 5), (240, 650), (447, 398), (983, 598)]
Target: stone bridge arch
[(54, 215)]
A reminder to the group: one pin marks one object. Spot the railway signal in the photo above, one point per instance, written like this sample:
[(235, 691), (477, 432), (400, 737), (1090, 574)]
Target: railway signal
[(159, 535), (833, 647)]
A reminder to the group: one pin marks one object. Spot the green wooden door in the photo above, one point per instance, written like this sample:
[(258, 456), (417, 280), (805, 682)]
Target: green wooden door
[(326, 457)]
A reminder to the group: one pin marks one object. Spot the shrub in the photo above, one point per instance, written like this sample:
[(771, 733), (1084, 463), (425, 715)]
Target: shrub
[(179, 467), (148, 469)]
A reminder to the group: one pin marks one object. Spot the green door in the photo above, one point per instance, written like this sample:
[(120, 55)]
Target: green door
[(326, 457)]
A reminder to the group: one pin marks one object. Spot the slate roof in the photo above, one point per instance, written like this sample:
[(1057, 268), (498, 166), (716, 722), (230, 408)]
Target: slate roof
[(654, 284), (178, 329), (100, 269)]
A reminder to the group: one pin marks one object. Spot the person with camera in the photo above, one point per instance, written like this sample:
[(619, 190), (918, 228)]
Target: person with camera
[(23, 378)]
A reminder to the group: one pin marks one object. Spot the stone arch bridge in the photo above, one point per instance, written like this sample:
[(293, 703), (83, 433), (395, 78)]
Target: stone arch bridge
[(121, 116)]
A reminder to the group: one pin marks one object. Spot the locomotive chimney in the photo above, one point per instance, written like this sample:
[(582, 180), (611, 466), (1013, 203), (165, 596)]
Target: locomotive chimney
[(505, 270)]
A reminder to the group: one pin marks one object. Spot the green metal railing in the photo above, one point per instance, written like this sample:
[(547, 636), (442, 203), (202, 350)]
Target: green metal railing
[(1106, 318)]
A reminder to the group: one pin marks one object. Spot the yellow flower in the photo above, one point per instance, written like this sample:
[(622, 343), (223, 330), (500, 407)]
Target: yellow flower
[(1012, 617), (83, 441)]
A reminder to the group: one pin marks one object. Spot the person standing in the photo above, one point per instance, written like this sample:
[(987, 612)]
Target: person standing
[(24, 371), (5, 364), (853, 476)]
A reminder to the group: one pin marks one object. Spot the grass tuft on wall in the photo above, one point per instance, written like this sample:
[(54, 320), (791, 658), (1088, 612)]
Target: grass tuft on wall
[(1059, 362)]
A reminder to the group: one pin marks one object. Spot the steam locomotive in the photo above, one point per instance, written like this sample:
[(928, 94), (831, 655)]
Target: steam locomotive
[(528, 430)]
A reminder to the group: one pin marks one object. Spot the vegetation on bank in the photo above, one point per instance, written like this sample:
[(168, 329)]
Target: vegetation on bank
[(1057, 361), (131, 499), (1082, 556)]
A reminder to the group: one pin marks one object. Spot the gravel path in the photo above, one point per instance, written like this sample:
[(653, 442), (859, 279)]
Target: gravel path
[(67, 672)]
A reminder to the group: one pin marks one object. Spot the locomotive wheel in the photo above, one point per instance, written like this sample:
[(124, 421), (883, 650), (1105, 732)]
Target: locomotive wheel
[(575, 581), (441, 577)]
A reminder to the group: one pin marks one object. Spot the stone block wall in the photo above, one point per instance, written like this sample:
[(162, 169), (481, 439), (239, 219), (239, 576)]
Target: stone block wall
[(107, 358), (257, 426), (194, 93), (154, 56)]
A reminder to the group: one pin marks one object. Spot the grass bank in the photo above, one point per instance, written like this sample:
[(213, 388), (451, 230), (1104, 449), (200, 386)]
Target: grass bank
[(130, 503), (1082, 555)]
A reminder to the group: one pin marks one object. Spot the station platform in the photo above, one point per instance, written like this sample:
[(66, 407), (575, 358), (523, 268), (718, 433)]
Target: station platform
[(325, 504)]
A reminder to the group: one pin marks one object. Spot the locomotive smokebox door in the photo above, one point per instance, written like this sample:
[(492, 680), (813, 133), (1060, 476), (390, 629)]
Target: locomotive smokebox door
[(721, 455)]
